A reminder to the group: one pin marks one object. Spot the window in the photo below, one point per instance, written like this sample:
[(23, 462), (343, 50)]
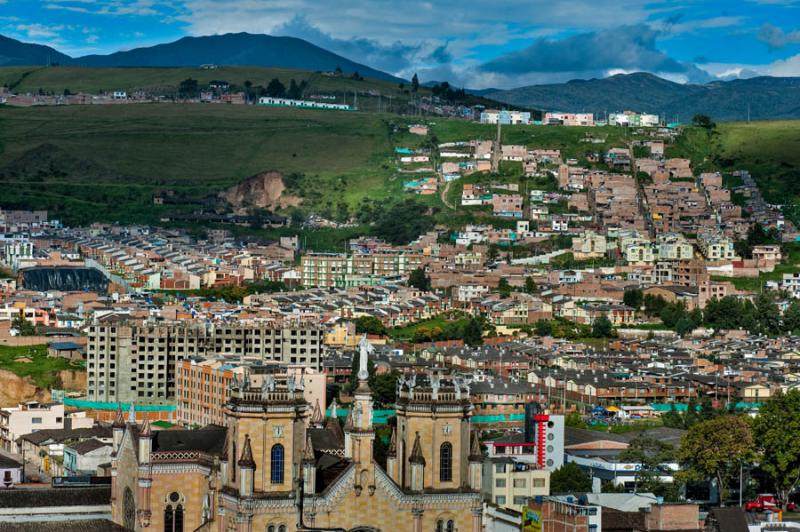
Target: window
[(439, 526), (499, 468), (500, 499), (520, 500), (519, 483), (451, 526), (446, 462), (538, 483), (276, 464), (500, 483), (36, 421)]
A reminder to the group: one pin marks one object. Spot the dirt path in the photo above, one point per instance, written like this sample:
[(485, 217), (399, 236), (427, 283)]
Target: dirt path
[(443, 195)]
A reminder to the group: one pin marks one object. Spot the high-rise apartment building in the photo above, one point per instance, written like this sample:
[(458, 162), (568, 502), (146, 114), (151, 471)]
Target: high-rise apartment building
[(136, 360)]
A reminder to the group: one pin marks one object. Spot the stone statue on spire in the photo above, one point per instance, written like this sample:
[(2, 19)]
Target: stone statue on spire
[(365, 348)]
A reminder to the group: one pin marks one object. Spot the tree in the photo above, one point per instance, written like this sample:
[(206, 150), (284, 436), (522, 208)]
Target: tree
[(530, 285), (493, 252), (188, 88), (791, 317), (294, 90), (370, 325), (671, 313), (703, 121), (23, 326), (419, 280), (403, 222), (651, 455), (775, 431), (276, 89), (602, 328), (473, 332), (768, 314), (716, 449), (384, 387), (574, 420), (248, 89), (653, 304), (503, 288), (543, 328), (414, 83), (634, 298), (569, 478)]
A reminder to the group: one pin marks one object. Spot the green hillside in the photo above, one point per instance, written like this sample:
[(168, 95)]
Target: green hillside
[(105, 162), (367, 93), (768, 150), (56, 80)]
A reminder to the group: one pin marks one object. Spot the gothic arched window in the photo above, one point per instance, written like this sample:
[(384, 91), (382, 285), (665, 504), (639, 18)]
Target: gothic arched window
[(173, 513), (128, 509), (276, 464), (446, 462)]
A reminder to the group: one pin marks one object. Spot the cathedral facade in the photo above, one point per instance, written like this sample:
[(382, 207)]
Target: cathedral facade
[(278, 465)]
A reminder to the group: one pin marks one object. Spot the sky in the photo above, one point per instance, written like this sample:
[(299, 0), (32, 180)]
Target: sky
[(471, 43)]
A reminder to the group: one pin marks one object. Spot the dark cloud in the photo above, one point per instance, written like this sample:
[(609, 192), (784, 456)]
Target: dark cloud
[(626, 48), (393, 57), (775, 38), (441, 55)]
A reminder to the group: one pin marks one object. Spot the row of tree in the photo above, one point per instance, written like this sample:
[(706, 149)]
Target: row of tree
[(762, 316), (718, 446)]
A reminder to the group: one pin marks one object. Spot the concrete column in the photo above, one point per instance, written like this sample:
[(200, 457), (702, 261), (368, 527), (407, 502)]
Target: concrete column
[(417, 513), (477, 516), (244, 523)]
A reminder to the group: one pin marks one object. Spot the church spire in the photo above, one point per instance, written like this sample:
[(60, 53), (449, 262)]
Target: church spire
[(416, 456), (392, 451), (146, 431), (308, 452), (119, 420), (475, 454), (247, 454), (316, 417)]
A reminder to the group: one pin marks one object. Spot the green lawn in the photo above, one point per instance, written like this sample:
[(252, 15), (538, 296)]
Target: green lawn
[(407, 332), (41, 370)]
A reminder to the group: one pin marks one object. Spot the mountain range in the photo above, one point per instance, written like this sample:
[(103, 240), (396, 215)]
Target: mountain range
[(229, 49), (758, 98)]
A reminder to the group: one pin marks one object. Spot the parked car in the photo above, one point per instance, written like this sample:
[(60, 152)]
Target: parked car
[(767, 501)]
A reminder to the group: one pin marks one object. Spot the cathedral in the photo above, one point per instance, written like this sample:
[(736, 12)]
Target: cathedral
[(278, 465)]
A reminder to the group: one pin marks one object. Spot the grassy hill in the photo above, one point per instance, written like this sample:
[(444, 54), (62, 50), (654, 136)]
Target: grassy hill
[(165, 81), (105, 162), (768, 150)]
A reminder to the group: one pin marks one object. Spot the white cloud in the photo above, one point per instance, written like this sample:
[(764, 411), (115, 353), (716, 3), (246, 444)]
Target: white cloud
[(34, 31), (784, 67)]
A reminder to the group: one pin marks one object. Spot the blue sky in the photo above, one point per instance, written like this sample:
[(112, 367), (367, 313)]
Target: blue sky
[(476, 43)]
